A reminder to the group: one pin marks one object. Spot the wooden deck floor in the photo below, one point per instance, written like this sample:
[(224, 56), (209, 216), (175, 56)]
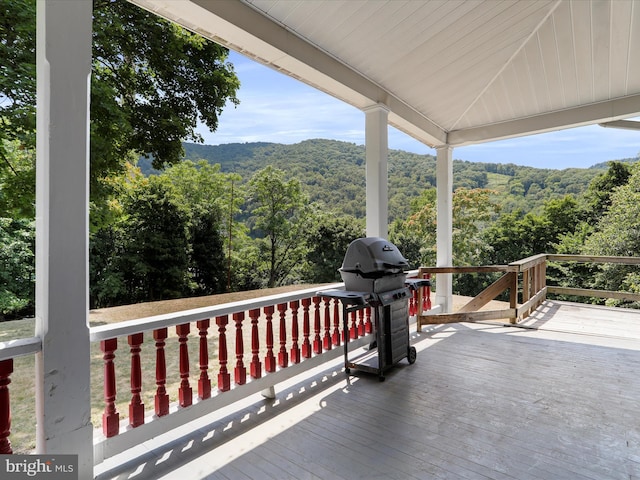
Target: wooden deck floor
[(481, 401)]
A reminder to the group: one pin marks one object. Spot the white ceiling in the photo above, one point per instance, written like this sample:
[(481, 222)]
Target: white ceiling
[(452, 72)]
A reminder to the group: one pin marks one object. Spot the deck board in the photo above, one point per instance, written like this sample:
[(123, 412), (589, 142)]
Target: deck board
[(482, 401)]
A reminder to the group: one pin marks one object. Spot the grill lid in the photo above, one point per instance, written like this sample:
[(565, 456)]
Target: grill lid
[(373, 257)]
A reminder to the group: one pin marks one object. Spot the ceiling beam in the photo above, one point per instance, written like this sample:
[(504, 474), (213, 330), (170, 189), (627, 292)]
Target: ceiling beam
[(602, 112), (624, 124)]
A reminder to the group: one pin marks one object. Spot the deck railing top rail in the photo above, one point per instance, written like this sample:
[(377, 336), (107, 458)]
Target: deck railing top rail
[(20, 347), (593, 259), (529, 262), (129, 327)]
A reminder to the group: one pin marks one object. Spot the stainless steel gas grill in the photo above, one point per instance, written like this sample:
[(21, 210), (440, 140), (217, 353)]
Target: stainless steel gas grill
[(374, 276)]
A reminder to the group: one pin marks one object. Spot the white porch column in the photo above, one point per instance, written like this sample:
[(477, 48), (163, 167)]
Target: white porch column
[(63, 67), (377, 151), (444, 256)]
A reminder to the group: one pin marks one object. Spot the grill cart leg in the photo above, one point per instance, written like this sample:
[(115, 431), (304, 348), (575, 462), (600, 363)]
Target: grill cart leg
[(347, 370)]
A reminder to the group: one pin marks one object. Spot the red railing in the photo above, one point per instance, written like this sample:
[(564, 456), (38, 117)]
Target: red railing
[(261, 332), (8, 352), (6, 369), (275, 336)]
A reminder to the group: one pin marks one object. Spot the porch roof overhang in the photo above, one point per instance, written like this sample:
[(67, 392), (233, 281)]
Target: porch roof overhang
[(451, 72)]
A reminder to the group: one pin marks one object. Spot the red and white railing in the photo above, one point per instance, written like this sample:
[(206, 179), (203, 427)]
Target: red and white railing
[(256, 344), (8, 352), (242, 348)]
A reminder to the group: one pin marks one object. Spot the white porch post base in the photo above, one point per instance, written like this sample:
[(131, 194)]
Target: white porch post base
[(444, 233)]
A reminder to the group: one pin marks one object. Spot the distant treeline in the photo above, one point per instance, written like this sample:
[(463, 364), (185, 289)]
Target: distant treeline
[(333, 172)]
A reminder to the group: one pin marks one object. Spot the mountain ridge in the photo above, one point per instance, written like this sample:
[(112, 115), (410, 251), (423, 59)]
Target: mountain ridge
[(332, 172)]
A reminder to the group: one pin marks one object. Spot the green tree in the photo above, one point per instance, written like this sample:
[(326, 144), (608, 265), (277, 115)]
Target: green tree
[(211, 200), (472, 210), (278, 217), (161, 80), (17, 267), (328, 237), (514, 236), (17, 180), (595, 204), (145, 255), (618, 233), (17, 81), (601, 188), (152, 82)]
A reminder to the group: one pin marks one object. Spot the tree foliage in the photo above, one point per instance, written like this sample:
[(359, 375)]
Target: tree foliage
[(205, 195), (18, 74), (152, 83), (600, 190), (17, 180), (472, 209), (328, 237), (333, 173), (278, 216), (617, 233), (17, 267), (145, 255), (169, 225)]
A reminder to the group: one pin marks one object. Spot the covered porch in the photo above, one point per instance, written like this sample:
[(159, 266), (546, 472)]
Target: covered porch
[(555, 400), (482, 400)]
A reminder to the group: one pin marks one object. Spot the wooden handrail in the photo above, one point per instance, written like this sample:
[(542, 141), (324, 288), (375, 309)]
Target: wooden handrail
[(553, 257), (529, 262), (533, 270), (478, 269)]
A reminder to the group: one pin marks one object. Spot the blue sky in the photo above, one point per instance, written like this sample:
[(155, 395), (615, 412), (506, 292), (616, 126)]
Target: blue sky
[(276, 108)]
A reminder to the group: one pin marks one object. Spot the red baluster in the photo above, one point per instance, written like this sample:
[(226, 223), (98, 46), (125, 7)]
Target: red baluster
[(224, 377), (110, 417), (204, 383), (136, 407), (255, 366), (336, 322), (412, 302), (185, 393), (283, 356), (240, 372), (6, 369), (295, 349), (327, 344), (353, 329), (306, 330), (427, 298), (269, 359), (368, 326), (317, 341), (161, 398), (361, 328)]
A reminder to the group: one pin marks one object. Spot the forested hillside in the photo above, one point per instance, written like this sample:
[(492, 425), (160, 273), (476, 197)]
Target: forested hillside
[(333, 173), (239, 217)]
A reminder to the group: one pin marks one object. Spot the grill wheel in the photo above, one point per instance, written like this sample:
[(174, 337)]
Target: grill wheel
[(411, 355)]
